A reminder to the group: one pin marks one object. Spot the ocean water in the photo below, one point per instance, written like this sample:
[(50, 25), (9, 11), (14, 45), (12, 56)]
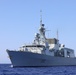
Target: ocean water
[(5, 69)]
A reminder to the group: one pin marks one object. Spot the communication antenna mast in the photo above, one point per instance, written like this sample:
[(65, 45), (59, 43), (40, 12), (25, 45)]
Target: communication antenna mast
[(40, 17)]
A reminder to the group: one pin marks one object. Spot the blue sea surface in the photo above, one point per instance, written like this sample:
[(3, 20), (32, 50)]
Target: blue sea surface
[(5, 69)]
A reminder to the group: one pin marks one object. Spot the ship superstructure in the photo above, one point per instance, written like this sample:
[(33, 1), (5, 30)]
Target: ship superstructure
[(47, 46)]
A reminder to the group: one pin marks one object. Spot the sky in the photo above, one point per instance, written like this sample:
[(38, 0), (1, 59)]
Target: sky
[(20, 20)]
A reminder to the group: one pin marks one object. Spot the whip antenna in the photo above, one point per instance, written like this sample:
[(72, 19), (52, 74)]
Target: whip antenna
[(57, 34), (40, 17)]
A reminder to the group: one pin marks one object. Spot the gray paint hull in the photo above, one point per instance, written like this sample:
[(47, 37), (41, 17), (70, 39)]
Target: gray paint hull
[(21, 59)]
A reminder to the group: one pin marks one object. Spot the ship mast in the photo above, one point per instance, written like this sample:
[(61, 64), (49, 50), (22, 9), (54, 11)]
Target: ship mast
[(41, 29)]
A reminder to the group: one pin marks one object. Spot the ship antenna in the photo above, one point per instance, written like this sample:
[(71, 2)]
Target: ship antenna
[(57, 34), (40, 17)]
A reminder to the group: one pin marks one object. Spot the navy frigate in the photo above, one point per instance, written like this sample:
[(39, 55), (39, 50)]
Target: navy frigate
[(42, 52)]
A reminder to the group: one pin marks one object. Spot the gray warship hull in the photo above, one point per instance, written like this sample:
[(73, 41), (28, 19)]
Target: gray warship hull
[(29, 59)]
